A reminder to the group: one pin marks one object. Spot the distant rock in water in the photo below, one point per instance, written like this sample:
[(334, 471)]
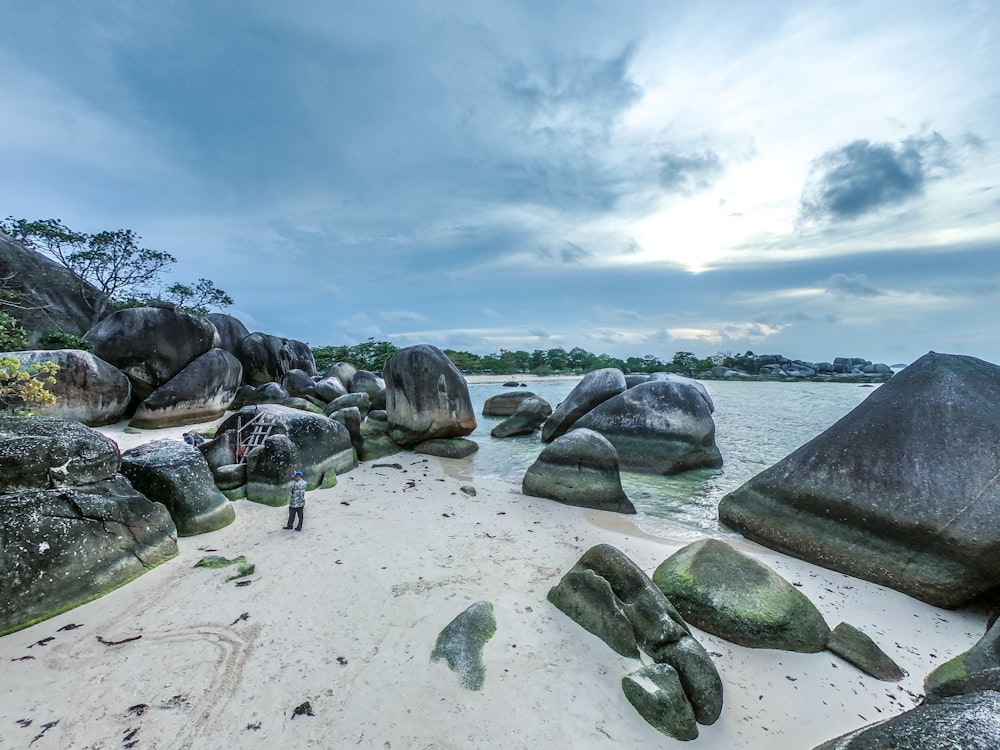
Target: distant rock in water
[(902, 491)]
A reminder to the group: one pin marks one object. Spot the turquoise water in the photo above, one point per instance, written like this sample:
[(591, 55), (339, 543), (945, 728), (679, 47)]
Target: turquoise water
[(756, 425)]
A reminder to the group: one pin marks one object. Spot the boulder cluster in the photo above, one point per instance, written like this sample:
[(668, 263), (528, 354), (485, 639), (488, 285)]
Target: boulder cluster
[(778, 367), (78, 518)]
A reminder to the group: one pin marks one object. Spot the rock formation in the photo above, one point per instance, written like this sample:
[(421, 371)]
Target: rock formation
[(579, 468), (901, 491), (73, 528), (176, 474), (594, 389), (527, 418), (200, 392), (426, 396), (87, 388)]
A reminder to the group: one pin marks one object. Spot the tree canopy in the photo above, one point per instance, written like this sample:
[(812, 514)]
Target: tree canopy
[(113, 268)]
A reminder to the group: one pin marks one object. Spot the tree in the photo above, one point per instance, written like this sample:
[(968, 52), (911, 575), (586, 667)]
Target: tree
[(22, 388), (112, 268), (12, 336), (197, 299)]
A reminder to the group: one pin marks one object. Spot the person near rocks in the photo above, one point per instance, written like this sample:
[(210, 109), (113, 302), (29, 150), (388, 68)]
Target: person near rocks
[(194, 438), (188, 438), (297, 503)]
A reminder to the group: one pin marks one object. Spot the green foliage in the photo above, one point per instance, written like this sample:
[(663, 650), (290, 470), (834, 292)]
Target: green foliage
[(370, 355), (198, 298), (21, 388), (113, 268), (63, 340), (12, 336)]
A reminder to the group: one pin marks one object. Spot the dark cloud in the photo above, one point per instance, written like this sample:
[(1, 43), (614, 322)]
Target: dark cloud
[(864, 177), (852, 285), (688, 173)]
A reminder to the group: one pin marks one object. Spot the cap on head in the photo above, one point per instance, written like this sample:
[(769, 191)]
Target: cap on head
[(296, 475)]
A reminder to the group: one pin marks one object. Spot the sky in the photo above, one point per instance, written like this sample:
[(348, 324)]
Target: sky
[(807, 178)]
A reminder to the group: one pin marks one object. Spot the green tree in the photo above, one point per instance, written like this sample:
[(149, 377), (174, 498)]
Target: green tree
[(12, 336), (21, 388), (112, 268), (198, 298)]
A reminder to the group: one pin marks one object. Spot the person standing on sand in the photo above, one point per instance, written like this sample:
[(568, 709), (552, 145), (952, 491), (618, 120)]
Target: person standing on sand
[(297, 503)]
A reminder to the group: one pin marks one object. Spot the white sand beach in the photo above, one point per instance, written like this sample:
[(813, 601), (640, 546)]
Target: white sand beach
[(345, 615)]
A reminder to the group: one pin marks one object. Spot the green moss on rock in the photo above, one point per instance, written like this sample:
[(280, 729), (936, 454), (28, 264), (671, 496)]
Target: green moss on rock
[(461, 643)]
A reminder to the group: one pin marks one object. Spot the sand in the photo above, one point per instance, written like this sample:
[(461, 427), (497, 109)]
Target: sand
[(345, 615)]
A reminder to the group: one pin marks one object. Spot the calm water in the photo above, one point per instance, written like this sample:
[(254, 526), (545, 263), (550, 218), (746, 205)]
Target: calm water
[(756, 425)]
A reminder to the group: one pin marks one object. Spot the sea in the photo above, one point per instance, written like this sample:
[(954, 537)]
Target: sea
[(756, 425)]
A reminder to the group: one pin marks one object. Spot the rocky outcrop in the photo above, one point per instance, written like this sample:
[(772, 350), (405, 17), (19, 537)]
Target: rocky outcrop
[(298, 383), (969, 722), (364, 381), (731, 595), (44, 452), (902, 491), (151, 344), (778, 367), (972, 671), (330, 388), (446, 447), (426, 396), (270, 468), (73, 528), (323, 446), (658, 427), (343, 371), (200, 392), (176, 474), (267, 358), (579, 468), (527, 418), (610, 596), (87, 388), (231, 331), (594, 389), (54, 299)]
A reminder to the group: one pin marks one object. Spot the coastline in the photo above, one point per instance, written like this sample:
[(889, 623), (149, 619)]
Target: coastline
[(345, 615)]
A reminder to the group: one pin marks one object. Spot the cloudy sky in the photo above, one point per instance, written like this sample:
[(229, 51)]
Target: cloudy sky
[(809, 178)]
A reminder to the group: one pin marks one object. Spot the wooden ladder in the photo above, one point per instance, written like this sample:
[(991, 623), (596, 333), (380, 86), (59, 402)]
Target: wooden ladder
[(252, 434)]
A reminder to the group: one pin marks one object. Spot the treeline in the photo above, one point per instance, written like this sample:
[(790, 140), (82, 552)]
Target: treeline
[(371, 355)]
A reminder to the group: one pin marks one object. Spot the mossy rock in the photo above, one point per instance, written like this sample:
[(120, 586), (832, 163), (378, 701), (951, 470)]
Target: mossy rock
[(856, 648), (733, 596), (461, 643), (217, 561), (243, 571), (240, 493), (132, 431), (655, 691)]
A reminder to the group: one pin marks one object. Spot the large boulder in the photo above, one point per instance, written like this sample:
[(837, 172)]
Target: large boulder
[(65, 546), (231, 331), (901, 491), (151, 344), (330, 388), (426, 396), (323, 446), (607, 594), (72, 527), (964, 722), (658, 427), (176, 474), (299, 384), (268, 358), (53, 298), (971, 671), (505, 404), (731, 595), (87, 388), (527, 418), (579, 468), (673, 377), (44, 452), (595, 388), (342, 371), (270, 468), (367, 382), (200, 392)]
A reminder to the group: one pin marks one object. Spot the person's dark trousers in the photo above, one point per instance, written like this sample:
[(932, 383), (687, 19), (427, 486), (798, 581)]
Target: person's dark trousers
[(292, 513)]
